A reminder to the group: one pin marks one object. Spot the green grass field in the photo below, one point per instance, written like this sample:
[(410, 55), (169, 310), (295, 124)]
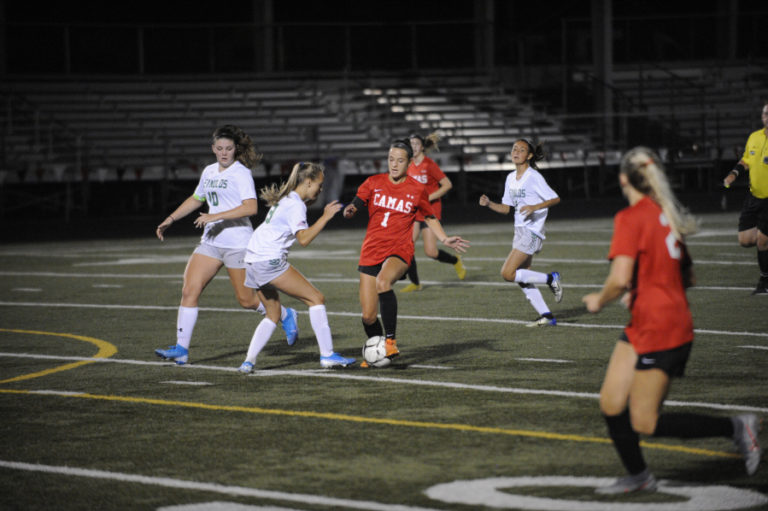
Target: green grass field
[(478, 412)]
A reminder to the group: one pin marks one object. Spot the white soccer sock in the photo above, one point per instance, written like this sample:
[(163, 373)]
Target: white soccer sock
[(533, 295), (259, 340), (319, 320), (185, 325), (530, 277)]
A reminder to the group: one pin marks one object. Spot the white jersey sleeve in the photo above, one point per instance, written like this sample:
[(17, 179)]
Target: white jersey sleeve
[(507, 198)]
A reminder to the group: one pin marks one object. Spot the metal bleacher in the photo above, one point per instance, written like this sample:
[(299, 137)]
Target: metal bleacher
[(479, 121), (144, 129), (707, 111)]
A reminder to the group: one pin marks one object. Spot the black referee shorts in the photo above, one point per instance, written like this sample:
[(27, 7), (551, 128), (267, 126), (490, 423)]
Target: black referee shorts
[(754, 213)]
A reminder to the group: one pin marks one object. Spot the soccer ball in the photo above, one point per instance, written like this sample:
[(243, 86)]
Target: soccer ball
[(375, 351)]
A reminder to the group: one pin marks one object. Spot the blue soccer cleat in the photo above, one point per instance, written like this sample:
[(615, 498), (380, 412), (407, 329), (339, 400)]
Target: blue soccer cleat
[(336, 360), (290, 326), (178, 354), (246, 367)]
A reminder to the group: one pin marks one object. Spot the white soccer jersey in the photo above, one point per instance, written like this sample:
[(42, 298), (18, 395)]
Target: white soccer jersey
[(531, 189), (224, 191), (274, 237)]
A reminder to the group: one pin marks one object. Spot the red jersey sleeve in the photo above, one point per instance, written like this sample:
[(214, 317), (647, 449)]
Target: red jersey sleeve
[(435, 172), (364, 191), (626, 236)]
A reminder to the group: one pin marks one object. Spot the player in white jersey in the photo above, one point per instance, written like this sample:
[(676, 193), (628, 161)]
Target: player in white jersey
[(527, 192), (267, 268), (227, 187)]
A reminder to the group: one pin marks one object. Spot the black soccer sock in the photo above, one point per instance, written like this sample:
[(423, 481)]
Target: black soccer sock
[(388, 310), (373, 329), (692, 425), (413, 272), (445, 257), (626, 442), (762, 262)]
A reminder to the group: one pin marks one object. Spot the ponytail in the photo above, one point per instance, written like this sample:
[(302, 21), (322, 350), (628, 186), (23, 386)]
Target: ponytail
[(430, 142), (646, 174), (302, 171)]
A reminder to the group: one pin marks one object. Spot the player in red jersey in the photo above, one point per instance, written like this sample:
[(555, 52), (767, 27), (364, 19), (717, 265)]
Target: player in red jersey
[(426, 171), (649, 258), (393, 201)]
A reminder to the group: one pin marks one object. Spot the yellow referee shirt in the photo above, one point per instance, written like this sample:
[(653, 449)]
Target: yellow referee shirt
[(756, 157)]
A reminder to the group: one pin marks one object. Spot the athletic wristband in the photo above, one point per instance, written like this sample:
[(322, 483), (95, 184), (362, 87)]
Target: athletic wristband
[(358, 203), (738, 169)]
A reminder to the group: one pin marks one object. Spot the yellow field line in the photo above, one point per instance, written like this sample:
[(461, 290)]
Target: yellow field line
[(106, 350), (374, 420)]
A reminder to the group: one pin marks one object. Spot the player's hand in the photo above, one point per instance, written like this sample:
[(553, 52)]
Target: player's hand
[(626, 300), (457, 243), (592, 301), (162, 227), (331, 209), (350, 210), (729, 179), (204, 219), (484, 200), (527, 210)]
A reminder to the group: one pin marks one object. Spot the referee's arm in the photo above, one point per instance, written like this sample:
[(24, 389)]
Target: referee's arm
[(740, 167)]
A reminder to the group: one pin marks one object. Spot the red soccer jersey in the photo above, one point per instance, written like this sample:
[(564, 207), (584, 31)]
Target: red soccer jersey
[(392, 210), (660, 316), (429, 174)]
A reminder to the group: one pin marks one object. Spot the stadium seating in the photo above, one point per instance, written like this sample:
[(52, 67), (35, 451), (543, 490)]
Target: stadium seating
[(155, 128), (151, 128), (708, 110)]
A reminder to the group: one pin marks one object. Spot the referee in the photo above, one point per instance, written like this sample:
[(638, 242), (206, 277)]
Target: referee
[(753, 222)]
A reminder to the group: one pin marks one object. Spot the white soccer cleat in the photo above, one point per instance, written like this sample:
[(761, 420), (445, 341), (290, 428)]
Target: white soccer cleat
[(644, 481), (745, 429)]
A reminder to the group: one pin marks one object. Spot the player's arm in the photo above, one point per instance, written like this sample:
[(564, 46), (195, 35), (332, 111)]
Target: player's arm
[(740, 167), (188, 206), (352, 207), (494, 206), (530, 208), (616, 284), (455, 242), (445, 185), (248, 207), (305, 236)]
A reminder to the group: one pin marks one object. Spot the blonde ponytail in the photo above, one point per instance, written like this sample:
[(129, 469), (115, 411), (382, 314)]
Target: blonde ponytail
[(429, 143), (646, 174), (302, 171)]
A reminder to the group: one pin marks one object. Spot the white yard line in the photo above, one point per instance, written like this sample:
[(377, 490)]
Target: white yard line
[(560, 324), (331, 280), (377, 377), (233, 491)]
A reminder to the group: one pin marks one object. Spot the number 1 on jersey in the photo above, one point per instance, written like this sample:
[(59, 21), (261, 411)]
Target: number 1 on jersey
[(386, 218)]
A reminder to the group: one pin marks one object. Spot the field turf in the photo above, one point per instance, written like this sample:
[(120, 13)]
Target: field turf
[(479, 412)]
